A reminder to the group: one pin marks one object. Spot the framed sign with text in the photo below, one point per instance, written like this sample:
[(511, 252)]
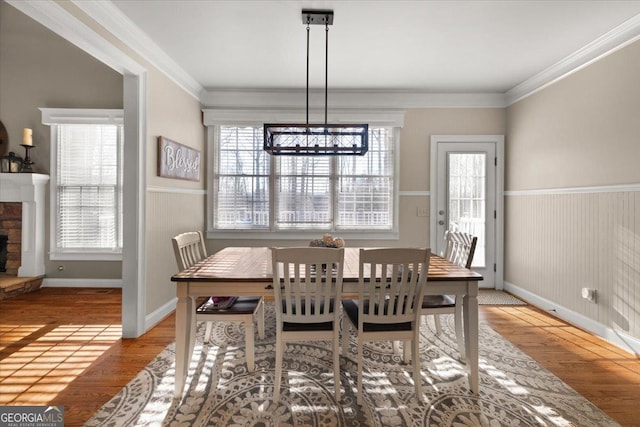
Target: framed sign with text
[(177, 161)]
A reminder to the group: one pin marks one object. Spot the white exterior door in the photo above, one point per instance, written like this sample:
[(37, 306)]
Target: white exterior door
[(466, 195)]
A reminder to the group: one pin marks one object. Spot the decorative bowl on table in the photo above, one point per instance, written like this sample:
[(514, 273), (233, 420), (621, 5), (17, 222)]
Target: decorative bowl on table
[(327, 241)]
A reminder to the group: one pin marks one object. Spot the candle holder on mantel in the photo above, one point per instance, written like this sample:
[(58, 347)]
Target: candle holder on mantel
[(27, 162)]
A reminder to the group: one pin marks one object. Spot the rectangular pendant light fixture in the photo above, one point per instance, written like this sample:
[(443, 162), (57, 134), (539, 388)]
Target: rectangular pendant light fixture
[(316, 139)]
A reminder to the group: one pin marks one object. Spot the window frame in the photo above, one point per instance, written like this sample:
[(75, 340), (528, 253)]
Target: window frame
[(213, 135), (55, 117)]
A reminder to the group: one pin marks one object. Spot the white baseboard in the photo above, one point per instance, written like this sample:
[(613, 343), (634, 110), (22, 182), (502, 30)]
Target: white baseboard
[(154, 318), (624, 341), (81, 283)]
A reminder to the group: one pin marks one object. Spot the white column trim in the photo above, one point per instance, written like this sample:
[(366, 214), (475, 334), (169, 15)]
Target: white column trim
[(134, 256), (53, 16)]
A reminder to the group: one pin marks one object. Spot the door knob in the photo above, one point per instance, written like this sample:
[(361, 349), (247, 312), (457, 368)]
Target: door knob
[(441, 212), (441, 222)]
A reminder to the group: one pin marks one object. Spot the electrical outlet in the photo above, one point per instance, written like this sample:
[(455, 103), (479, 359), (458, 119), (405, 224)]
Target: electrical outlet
[(589, 294), (423, 212)]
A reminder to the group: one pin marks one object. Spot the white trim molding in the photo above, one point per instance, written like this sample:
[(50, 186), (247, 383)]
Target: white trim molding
[(357, 99), (498, 142), (79, 116), (175, 190), (159, 314), (575, 190), (74, 116), (54, 282), (299, 235), (413, 193), (119, 24), (53, 16), (619, 37), (624, 341), (50, 14), (255, 116)]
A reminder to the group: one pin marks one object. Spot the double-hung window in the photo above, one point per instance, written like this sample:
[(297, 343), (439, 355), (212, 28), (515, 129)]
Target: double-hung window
[(86, 183), (255, 191)]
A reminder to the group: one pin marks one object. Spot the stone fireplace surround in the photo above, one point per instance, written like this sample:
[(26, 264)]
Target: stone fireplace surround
[(29, 190)]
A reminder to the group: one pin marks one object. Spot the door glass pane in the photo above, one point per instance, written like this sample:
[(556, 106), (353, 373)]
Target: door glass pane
[(466, 198)]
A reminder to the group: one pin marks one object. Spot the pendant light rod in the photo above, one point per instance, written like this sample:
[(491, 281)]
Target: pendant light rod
[(336, 139), (308, 29), (326, 71)]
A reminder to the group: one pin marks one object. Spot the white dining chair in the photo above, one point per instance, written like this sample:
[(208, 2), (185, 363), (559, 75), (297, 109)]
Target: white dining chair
[(308, 287), (390, 291), (189, 249), (459, 249)]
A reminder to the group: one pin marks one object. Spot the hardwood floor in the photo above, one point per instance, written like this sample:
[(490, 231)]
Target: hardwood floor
[(63, 347)]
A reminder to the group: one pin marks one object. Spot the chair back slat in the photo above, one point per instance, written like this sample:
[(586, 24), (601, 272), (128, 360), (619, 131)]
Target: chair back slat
[(307, 283), (392, 284), (459, 247), (189, 249)]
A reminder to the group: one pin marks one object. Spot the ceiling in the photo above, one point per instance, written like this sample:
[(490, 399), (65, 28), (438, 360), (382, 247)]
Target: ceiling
[(428, 46)]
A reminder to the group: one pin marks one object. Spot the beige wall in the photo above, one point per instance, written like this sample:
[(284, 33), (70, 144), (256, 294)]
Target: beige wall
[(583, 131), (415, 137), (174, 114), (40, 69), (420, 124)]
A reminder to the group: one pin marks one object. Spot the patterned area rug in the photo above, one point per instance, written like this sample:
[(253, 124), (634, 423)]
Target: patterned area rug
[(514, 389)]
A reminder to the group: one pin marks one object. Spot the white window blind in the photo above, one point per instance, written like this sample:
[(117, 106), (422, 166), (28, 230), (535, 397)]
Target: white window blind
[(242, 180), (256, 191), (88, 188)]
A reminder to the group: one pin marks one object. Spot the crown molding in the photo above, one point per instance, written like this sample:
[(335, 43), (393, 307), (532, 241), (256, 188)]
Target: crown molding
[(369, 99), (118, 24), (621, 36), (257, 116), (51, 15)]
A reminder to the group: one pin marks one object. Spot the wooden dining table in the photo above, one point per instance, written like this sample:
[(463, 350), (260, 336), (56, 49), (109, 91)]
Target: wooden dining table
[(246, 271)]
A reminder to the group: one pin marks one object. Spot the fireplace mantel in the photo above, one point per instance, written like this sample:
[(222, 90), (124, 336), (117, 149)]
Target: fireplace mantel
[(28, 188)]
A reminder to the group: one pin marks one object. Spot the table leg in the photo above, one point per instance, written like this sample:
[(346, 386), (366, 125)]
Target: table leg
[(184, 339), (470, 309)]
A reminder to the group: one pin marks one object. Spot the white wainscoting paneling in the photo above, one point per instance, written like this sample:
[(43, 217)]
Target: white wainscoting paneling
[(558, 242)]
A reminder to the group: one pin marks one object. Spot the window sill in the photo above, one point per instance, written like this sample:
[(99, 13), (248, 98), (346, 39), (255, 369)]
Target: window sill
[(85, 256), (300, 235)]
